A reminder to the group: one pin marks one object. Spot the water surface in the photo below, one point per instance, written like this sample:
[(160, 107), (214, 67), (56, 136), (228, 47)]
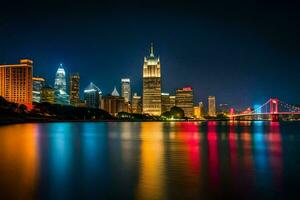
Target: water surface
[(150, 160)]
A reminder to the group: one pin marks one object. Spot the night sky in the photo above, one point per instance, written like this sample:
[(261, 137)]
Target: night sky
[(243, 52)]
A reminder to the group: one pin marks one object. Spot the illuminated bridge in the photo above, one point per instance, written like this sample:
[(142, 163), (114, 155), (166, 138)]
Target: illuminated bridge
[(270, 110)]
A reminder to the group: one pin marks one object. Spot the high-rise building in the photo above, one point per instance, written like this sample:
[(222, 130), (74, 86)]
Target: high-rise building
[(197, 112), (184, 100), (37, 85), (151, 84), (60, 87), (172, 101), (201, 107), (47, 94), (165, 102), (126, 90), (113, 103), (136, 105), (212, 106), (74, 89), (92, 96), (16, 82)]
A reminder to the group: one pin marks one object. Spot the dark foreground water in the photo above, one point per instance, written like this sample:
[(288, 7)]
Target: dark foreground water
[(148, 160)]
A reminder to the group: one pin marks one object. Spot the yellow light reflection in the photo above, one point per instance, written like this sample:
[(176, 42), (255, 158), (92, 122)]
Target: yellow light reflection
[(19, 161), (151, 179)]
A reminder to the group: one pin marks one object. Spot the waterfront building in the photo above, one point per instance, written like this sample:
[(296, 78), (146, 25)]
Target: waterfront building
[(126, 89), (16, 82), (37, 85), (152, 84), (201, 109), (224, 108), (74, 89), (47, 94), (172, 101), (212, 106), (197, 112), (60, 87), (136, 105), (165, 102), (184, 100), (114, 103), (92, 96)]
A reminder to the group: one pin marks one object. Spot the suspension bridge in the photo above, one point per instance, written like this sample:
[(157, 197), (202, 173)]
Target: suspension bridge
[(271, 110)]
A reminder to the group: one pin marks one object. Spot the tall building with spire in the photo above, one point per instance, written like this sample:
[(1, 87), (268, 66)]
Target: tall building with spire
[(151, 84), (126, 90), (60, 87)]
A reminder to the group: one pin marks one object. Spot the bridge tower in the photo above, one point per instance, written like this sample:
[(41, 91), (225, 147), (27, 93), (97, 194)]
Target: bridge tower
[(274, 110)]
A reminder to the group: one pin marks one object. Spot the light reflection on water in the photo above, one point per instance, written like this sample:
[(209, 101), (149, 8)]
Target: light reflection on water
[(150, 160)]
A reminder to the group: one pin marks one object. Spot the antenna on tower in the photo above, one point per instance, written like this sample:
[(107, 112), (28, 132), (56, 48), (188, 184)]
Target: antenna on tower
[(151, 50)]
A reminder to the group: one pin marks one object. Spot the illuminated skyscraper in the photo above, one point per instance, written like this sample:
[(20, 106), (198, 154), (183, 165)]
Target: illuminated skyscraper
[(165, 102), (201, 107), (172, 101), (113, 103), (136, 105), (151, 84), (47, 94), (37, 85), (16, 82), (60, 87), (184, 100), (74, 89), (92, 96), (212, 106), (126, 90)]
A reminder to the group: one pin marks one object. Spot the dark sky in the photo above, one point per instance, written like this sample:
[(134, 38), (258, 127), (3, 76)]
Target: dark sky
[(243, 52)]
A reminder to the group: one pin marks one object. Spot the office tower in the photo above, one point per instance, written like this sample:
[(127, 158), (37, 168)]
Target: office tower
[(165, 102), (37, 85), (126, 90), (184, 100), (74, 89), (151, 84), (60, 87), (136, 105), (172, 101), (114, 103), (212, 106), (47, 94), (197, 112), (201, 107), (92, 96), (16, 82)]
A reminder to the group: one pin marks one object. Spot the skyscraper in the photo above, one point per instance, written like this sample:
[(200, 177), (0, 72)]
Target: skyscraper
[(37, 85), (92, 96), (212, 106), (126, 90), (74, 89), (165, 102), (151, 84), (16, 82), (201, 107), (60, 87), (113, 103), (136, 105), (47, 94), (184, 100)]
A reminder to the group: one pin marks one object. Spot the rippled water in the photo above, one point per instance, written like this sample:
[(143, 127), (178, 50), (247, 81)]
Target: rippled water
[(150, 160)]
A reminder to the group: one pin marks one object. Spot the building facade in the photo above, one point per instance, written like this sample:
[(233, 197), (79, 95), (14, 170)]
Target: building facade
[(184, 100), (152, 84), (165, 102), (114, 103), (92, 96), (74, 89), (16, 82), (136, 105), (172, 101), (126, 89), (201, 107), (212, 106), (37, 85), (60, 87), (47, 94)]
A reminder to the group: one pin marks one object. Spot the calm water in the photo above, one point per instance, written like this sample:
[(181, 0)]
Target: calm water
[(150, 160)]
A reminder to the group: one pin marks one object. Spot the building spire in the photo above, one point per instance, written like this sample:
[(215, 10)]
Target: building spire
[(151, 50)]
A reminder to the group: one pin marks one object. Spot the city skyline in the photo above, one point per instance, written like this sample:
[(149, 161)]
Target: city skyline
[(243, 53)]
